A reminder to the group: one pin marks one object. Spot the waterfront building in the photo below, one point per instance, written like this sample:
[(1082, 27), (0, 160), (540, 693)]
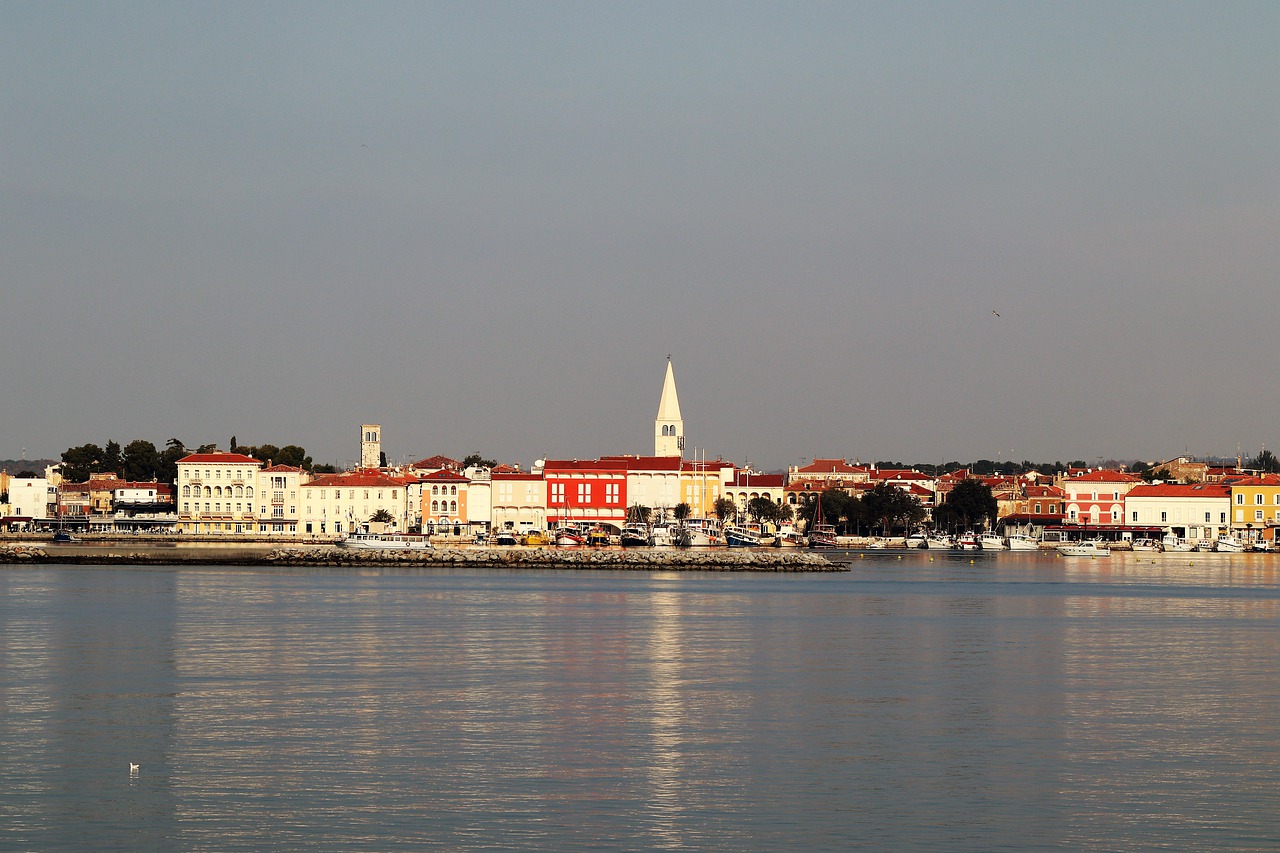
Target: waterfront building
[(339, 504), (32, 500), (217, 493), (746, 485), (590, 492), (1255, 507), (668, 426), (1191, 511), (1031, 509), (1096, 497), (443, 501), (702, 483), (652, 481), (518, 501), (279, 488)]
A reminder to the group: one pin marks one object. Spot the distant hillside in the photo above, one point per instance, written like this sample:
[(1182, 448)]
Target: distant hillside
[(16, 466)]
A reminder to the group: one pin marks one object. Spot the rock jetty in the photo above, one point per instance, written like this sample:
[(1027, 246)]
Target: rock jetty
[(692, 560), (534, 558)]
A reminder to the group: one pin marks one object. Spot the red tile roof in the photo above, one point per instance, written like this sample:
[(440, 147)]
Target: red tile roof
[(1180, 490), (831, 466), (219, 459), (357, 479), (1106, 476)]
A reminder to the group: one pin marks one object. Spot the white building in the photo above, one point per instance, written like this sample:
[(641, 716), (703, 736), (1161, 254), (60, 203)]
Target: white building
[(338, 504), (217, 493), (279, 488), (1190, 511), (668, 427)]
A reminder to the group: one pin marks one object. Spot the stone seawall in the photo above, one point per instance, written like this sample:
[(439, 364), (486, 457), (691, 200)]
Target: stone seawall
[(719, 560)]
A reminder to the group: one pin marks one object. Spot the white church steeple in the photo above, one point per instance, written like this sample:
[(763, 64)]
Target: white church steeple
[(668, 427)]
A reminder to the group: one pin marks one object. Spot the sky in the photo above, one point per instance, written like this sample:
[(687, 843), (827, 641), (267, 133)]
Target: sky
[(486, 226)]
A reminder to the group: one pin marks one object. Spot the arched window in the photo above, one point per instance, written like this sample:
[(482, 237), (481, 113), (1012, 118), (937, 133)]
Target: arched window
[(435, 490), (186, 491), (239, 491), (208, 491), (435, 506), (453, 506), (453, 490), (248, 491)]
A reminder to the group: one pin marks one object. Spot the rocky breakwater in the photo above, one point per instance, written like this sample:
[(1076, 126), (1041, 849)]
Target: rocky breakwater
[(18, 552), (721, 560)]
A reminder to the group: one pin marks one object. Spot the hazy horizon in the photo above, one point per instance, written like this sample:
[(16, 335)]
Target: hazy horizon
[(906, 231)]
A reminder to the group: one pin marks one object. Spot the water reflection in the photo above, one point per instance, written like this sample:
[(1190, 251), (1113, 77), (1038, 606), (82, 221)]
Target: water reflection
[(1019, 703)]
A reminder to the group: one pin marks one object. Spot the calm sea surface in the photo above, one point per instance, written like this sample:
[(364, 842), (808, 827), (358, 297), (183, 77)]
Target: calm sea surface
[(1008, 703)]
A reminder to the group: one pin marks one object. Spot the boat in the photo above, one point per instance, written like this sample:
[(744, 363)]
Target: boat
[(1091, 548), (789, 538), (662, 536), (505, 537), (64, 537), (634, 536), (1147, 545), (386, 542), (967, 541), (700, 533), (991, 542), (915, 540), (570, 537), (1228, 544), (742, 535), (1023, 542), (938, 542), (536, 537), (1261, 545), (597, 537), (1177, 543)]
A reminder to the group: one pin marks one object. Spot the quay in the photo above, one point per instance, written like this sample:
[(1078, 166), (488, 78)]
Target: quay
[(273, 554)]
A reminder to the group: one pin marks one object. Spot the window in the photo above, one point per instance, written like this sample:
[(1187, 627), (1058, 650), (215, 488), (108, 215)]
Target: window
[(1037, 510), (557, 493), (1135, 516), (1239, 497), (611, 493), (1257, 515), (1164, 516), (584, 493), (1207, 517), (1222, 516), (1257, 499)]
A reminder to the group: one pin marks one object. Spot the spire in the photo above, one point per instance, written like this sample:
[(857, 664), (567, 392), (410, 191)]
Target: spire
[(669, 405), (668, 427)]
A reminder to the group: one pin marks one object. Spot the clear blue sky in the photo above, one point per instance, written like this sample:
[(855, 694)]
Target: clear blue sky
[(486, 225)]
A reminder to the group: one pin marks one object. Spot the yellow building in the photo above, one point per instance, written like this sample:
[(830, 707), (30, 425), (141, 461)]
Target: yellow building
[(1255, 507)]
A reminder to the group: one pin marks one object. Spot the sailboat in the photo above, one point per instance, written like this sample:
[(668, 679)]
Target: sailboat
[(821, 535)]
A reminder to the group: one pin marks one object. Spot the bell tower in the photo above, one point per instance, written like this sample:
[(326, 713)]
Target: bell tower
[(370, 445), (668, 427)]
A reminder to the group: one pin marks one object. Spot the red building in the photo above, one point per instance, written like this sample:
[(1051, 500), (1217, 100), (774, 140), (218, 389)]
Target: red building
[(586, 492)]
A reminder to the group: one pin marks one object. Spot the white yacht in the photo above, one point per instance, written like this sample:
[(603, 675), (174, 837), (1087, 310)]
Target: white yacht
[(1092, 548), (386, 542), (1023, 542), (992, 542)]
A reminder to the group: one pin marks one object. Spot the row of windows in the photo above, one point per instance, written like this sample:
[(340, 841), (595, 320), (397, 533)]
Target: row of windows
[(440, 506), (444, 490), (1259, 499), (1208, 516), (351, 494), (217, 492), (238, 507), (217, 474)]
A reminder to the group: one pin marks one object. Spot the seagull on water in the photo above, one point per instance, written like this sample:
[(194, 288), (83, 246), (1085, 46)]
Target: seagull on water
[(133, 768)]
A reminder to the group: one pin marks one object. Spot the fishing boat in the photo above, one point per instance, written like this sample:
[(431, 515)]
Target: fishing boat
[(742, 535), (967, 541), (1023, 542), (386, 542), (1091, 548), (992, 542), (821, 535), (789, 538), (662, 536), (570, 536), (536, 537), (1147, 545), (938, 542), (1228, 544), (700, 533), (634, 536), (597, 537), (1178, 543)]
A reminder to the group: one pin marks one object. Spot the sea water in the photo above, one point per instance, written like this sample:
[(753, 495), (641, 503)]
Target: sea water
[(917, 702)]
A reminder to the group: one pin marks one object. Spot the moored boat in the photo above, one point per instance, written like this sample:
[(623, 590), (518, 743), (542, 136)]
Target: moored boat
[(742, 535), (634, 536), (992, 542), (938, 542), (1090, 548), (386, 542), (1228, 544), (1023, 542), (967, 542)]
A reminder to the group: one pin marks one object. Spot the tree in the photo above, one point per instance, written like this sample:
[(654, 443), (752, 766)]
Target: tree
[(478, 460), (111, 459), (1265, 461), (681, 511), (638, 514), (970, 503), (724, 508), (890, 506), (79, 462), (381, 517), (140, 460), (762, 510)]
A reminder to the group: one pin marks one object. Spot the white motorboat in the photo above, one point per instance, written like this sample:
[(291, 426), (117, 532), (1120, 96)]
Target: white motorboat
[(1147, 545), (938, 542), (1084, 549), (1177, 543), (662, 536), (1023, 542), (967, 541), (992, 542), (1229, 544), (386, 542)]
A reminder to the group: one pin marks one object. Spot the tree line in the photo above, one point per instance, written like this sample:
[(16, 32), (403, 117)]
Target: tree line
[(142, 461)]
